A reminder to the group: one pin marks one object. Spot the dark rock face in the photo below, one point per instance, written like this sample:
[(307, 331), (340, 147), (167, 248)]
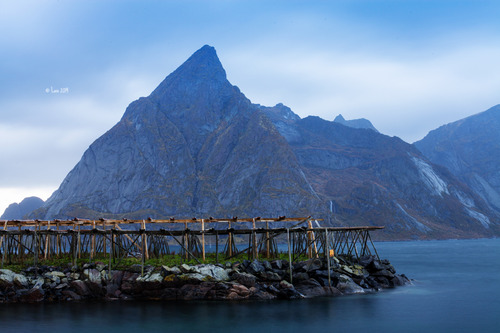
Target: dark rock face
[(17, 211), (469, 149), (198, 147)]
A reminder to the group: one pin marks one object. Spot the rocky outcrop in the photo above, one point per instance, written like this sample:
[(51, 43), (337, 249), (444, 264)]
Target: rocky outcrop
[(259, 280)]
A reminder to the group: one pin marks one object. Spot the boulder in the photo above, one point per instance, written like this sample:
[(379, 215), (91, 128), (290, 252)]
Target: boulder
[(166, 270), (267, 265), (186, 268), (347, 286), (6, 279), (169, 294), (277, 264), (153, 281), (313, 264), (92, 275), (270, 276), (194, 292), (213, 272), (192, 278), (300, 276), (310, 288), (245, 279), (20, 281), (240, 289), (255, 267), (33, 295), (80, 288), (71, 295)]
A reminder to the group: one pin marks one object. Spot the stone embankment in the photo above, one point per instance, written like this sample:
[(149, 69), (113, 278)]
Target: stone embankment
[(262, 280)]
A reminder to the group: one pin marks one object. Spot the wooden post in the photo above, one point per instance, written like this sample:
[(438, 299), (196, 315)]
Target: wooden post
[(58, 239), (78, 243), (255, 254), (268, 254), (35, 259), (3, 253), (143, 257), (5, 228), (203, 239), (104, 237), (145, 240), (327, 250), (92, 249), (309, 240), (110, 254), (186, 240), (4, 243), (20, 238), (47, 243), (73, 246), (216, 246), (230, 240), (289, 253)]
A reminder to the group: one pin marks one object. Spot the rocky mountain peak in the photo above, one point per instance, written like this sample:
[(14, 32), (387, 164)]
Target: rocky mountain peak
[(339, 119), (201, 71), (355, 123)]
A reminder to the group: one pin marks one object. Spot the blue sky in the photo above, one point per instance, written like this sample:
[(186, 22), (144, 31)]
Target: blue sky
[(407, 66)]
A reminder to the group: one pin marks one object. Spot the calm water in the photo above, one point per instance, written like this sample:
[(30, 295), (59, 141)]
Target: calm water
[(456, 289)]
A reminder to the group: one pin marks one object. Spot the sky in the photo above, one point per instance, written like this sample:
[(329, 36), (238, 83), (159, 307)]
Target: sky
[(68, 69)]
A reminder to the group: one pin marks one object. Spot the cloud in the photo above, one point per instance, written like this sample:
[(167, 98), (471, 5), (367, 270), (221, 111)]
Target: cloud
[(406, 96)]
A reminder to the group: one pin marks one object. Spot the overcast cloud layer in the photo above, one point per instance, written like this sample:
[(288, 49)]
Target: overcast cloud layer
[(68, 69)]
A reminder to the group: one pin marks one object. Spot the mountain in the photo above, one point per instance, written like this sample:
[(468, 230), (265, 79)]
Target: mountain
[(195, 146), (366, 178), (355, 123), (470, 149), (198, 147), (16, 211)]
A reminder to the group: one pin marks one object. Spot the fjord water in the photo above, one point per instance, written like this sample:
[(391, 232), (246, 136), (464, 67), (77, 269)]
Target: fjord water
[(456, 289)]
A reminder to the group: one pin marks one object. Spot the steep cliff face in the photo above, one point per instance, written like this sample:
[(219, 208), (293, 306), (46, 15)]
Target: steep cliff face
[(198, 147), (470, 149)]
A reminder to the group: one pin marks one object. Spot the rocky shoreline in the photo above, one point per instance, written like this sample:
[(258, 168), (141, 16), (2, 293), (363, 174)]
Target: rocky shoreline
[(258, 280)]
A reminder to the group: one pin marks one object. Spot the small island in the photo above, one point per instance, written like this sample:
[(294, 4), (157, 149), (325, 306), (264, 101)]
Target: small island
[(114, 260)]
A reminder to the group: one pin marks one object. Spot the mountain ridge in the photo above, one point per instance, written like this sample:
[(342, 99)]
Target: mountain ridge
[(197, 146)]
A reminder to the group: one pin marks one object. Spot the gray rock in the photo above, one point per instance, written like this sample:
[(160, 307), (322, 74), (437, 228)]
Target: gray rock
[(33, 295), (246, 279), (80, 288), (170, 270), (92, 275), (214, 272), (255, 267), (313, 265), (311, 288), (71, 295), (277, 264), (270, 276), (300, 276)]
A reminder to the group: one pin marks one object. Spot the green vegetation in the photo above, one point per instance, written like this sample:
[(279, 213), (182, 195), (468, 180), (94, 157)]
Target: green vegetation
[(124, 263)]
